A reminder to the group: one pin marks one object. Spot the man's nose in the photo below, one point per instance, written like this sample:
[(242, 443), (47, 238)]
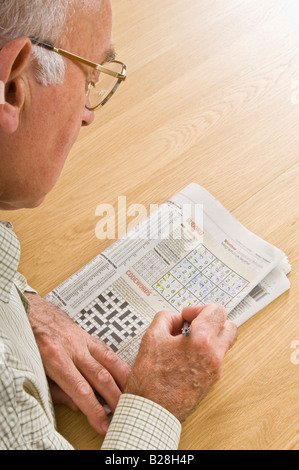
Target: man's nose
[(87, 117)]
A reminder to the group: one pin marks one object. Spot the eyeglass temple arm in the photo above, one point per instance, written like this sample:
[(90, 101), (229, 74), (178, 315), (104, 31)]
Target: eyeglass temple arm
[(69, 55)]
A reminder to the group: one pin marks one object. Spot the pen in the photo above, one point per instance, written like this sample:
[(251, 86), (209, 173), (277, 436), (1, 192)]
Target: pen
[(186, 330)]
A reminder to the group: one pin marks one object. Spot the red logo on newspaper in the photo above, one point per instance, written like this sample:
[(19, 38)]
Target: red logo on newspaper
[(230, 245), (141, 286), (194, 226)]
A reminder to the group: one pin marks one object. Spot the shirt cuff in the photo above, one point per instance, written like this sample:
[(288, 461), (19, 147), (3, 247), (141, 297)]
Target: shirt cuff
[(140, 424), (21, 283)]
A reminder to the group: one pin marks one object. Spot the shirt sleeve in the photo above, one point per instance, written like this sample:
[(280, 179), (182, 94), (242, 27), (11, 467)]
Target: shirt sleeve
[(140, 424), (21, 283), (23, 422)]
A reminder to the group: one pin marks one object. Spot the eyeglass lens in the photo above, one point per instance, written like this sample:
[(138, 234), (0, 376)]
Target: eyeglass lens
[(100, 92)]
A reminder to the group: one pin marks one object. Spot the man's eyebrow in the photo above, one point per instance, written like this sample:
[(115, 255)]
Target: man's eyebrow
[(110, 55)]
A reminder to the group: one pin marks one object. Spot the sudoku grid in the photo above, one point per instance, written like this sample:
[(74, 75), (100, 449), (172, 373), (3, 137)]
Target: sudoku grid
[(198, 279)]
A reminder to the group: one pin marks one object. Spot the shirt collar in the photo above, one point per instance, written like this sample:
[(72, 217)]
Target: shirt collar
[(9, 259)]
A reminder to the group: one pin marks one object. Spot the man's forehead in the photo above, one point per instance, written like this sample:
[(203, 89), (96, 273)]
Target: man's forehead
[(90, 31)]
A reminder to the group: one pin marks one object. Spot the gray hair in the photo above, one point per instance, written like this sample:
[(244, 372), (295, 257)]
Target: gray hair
[(44, 20)]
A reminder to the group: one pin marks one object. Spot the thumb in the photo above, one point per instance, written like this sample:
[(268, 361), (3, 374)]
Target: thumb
[(167, 323)]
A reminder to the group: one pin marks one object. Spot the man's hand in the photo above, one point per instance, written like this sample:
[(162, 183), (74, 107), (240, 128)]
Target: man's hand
[(176, 371), (76, 362)]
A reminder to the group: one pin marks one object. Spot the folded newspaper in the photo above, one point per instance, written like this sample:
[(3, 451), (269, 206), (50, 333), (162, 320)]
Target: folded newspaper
[(191, 251)]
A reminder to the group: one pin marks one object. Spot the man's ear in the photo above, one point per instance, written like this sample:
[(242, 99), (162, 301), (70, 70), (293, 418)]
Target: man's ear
[(15, 57)]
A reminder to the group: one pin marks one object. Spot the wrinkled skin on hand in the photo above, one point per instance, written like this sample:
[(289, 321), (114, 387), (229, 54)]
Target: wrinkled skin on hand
[(172, 370), (76, 363), (176, 371)]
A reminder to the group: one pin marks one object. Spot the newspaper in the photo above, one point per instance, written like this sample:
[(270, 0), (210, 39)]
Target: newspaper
[(191, 251)]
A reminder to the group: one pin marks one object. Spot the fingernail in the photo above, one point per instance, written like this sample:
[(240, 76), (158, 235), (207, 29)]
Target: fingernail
[(105, 425)]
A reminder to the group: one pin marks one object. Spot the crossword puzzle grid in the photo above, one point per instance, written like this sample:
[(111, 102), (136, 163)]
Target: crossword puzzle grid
[(199, 279), (110, 318)]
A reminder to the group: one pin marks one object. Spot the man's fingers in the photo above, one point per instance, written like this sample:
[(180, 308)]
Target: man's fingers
[(190, 313), (228, 335), (59, 397), (81, 393), (167, 323), (101, 380), (210, 326), (89, 405), (211, 317), (110, 361)]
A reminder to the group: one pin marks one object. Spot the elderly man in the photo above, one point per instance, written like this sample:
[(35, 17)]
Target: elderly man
[(46, 95)]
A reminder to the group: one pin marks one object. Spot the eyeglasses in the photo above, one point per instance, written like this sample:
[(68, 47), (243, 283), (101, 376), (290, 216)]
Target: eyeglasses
[(108, 79)]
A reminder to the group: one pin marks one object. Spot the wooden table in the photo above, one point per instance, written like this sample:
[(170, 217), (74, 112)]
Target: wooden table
[(212, 97)]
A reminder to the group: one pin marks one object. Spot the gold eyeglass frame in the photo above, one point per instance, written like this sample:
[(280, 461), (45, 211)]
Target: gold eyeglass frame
[(69, 55)]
